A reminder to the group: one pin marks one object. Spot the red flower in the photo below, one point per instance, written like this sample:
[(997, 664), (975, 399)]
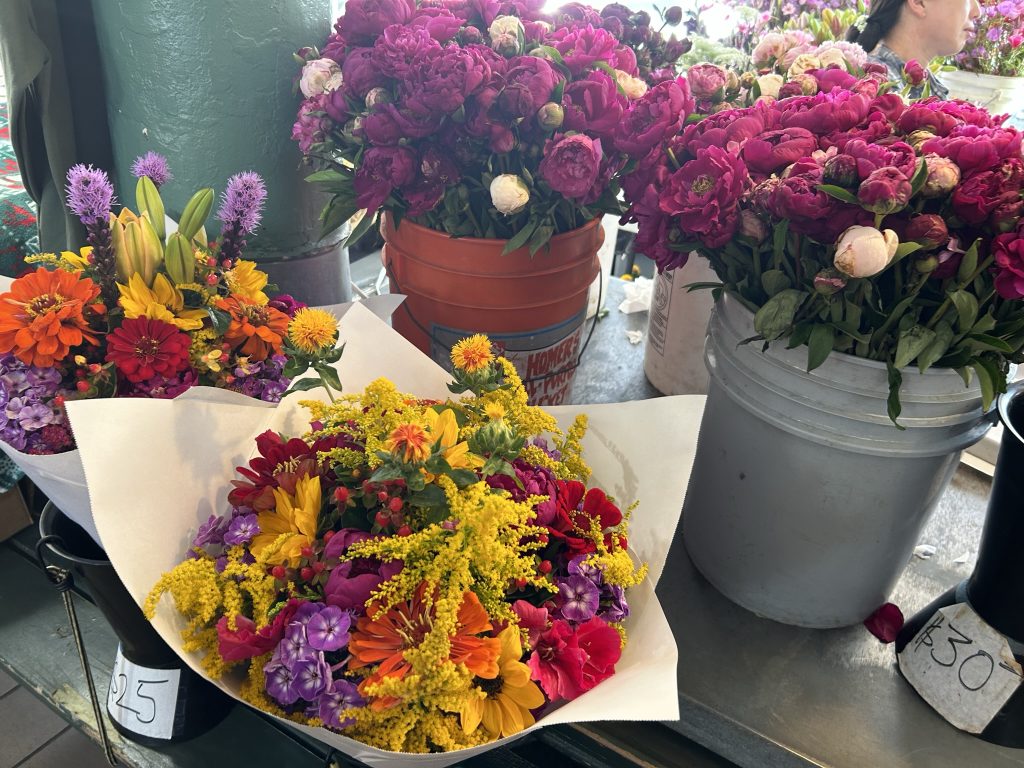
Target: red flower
[(1008, 251), (704, 195), (569, 662), (654, 117), (246, 641), (773, 150), (603, 647), (885, 623), (913, 72), (576, 508), (143, 348)]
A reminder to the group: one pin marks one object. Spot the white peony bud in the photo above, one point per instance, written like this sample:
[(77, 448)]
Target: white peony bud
[(509, 193), (316, 75), (864, 251), (770, 85), (633, 87), (831, 56), (803, 63), (505, 25)]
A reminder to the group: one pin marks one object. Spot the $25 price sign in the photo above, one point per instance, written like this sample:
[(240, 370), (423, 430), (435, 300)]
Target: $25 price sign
[(962, 667)]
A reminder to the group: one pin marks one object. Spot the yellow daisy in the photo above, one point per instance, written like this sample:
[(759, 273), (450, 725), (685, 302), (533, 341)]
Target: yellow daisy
[(247, 281), (296, 515), (472, 354), (503, 705), (313, 330), (161, 302)]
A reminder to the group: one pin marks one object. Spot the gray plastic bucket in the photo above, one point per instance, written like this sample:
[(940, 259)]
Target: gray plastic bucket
[(805, 502)]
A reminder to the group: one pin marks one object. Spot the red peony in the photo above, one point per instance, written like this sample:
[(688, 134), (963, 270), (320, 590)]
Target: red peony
[(143, 348)]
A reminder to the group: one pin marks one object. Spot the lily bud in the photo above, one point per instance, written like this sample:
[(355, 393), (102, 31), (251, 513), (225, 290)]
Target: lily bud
[(179, 259), (148, 200)]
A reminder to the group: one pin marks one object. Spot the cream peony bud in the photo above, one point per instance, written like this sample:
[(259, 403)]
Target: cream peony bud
[(509, 193), (831, 56), (770, 85), (803, 63), (505, 25), (316, 75), (864, 251), (633, 87)]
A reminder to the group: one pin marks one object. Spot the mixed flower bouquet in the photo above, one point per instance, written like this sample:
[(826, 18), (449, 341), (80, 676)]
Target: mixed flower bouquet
[(996, 45), (421, 576), (143, 312), (491, 120), (849, 220)]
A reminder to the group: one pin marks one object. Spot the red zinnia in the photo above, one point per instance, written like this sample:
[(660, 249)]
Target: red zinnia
[(143, 348)]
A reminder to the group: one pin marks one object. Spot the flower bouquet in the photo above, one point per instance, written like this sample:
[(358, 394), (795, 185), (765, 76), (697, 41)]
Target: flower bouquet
[(852, 221), (996, 47), (143, 311), (415, 574)]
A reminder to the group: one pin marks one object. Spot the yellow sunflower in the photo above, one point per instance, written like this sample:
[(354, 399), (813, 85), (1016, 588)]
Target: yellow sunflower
[(503, 705), (161, 302), (247, 281), (297, 515)]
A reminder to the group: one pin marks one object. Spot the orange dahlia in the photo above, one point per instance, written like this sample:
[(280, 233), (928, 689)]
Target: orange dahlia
[(258, 330), (41, 317), (384, 640)]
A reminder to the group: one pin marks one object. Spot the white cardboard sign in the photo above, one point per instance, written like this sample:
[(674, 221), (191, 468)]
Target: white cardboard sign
[(141, 699), (962, 667)]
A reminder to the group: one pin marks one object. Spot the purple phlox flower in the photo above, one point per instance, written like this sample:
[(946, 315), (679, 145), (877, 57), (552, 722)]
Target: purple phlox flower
[(294, 645), (993, 34), (154, 165), (241, 530), (220, 563), (312, 676), (305, 612), (579, 567), (328, 630), (162, 388), (14, 436), (280, 682), (614, 607), (578, 598), (341, 695), (242, 201), (90, 193), (211, 533)]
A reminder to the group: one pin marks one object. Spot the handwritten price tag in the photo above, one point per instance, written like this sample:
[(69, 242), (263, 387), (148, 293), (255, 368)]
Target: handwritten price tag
[(962, 667), (143, 700)]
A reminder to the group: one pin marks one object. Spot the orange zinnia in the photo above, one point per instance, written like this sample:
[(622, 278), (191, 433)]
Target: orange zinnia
[(41, 316), (409, 442), (383, 641), (257, 329)]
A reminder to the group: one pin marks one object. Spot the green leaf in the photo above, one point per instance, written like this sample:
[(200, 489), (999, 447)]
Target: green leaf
[(364, 226), (981, 341), (386, 472), (518, 240), (905, 249), (776, 316), (801, 333), (967, 308), (968, 264), (839, 193), (774, 281), (988, 388), (912, 342), (893, 401), (919, 178), (430, 496), (985, 323), (819, 345), (303, 385), (779, 240), (540, 238), (463, 477), (328, 175), (329, 375), (220, 319), (938, 347), (702, 286), (295, 367), (337, 212)]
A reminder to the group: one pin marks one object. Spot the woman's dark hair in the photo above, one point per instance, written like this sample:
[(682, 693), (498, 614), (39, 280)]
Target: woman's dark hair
[(883, 17)]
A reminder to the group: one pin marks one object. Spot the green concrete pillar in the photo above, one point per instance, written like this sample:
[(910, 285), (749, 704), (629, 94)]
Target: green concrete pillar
[(208, 83)]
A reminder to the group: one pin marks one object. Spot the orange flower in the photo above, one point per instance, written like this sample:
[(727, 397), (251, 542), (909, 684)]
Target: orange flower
[(409, 442), (41, 316), (258, 329), (472, 354), (384, 640)]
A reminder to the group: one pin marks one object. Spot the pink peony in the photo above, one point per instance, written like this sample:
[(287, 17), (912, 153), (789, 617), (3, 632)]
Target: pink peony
[(581, 47), (593, 105), (365, 20), (704, 195), (571, 164), (654, 117), (707, 81), (774, 150), (382, 171), (1008, 251)]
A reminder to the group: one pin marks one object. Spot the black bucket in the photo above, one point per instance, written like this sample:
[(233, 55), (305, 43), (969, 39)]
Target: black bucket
[(149, 679)]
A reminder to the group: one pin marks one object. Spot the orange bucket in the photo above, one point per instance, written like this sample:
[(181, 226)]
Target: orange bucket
[(532, 308)]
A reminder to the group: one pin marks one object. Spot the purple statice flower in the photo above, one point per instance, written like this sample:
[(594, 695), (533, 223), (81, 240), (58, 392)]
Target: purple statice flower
[(90, 193), (578, 598), (261, 380), (241, 530), (328, 630), (211, 533), (312, 676), (339, 696), (280, 682), (242, 201), (154, 165), (613, 605)]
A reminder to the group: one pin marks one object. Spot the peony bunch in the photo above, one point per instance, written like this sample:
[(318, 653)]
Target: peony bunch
[(490, 120), (850, 220), (145, 312), (418, 575)]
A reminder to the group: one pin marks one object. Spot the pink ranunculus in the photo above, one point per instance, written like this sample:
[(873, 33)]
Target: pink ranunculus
[(593, 105), (1008, 250), (704, 195), (571, 164), (886, 190), (603, 648), (360, 73), (557, 662), (382, 171), (707, 81), (365, 20), (582, 46), (536, 75), (654, 117), (774, 150)]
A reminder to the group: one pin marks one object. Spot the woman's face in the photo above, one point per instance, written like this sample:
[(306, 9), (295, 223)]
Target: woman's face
[(949, 24)]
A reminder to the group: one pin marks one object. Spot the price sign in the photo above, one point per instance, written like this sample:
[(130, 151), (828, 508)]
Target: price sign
[(962, 667), (143, 700)]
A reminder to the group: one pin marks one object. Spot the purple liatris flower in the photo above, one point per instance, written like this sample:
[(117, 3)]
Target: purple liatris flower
[(339, 696), (90, 193), (578, 598), (241, 530), (242, 201), (153, 165), (328, 630)]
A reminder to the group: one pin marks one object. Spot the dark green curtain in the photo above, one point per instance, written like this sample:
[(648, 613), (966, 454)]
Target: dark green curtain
[(58, 112)]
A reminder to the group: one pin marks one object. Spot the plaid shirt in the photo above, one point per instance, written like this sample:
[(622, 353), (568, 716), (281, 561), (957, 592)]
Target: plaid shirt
[(887, 57)]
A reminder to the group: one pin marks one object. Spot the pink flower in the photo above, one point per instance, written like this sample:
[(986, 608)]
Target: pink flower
[(977, 196), (914, 73), (571, 164), (536, 75), (1008, 251), (246, 641), (382, 170), (365, 20), (603, 648), (654, 117), (885, 190), (707, 81), (399, 47), (442, 84), (871, 157), (310, 128), (774, 150), (440, 23), (825, 112), (705, 193), (733, 126), (360, 73), (885, 623), (582, 46), (593, 105), (809, 210), (531, 618), (557, 662)]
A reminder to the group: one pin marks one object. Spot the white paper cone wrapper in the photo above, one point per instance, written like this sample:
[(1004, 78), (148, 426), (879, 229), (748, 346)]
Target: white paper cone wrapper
[(61, 478), (157, 469)]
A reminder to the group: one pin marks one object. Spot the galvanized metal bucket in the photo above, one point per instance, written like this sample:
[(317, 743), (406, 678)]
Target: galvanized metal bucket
[(805, 502)]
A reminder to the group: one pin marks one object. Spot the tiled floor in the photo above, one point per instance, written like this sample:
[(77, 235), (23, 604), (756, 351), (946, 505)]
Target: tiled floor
[(34, 736)]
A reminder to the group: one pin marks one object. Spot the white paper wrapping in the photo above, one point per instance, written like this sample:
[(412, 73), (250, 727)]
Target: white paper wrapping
[(157, 469)]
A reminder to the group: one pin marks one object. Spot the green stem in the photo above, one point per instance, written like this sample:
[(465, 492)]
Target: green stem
[(944, 307)]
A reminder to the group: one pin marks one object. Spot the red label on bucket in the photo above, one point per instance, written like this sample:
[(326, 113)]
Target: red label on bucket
[(545, 358)]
